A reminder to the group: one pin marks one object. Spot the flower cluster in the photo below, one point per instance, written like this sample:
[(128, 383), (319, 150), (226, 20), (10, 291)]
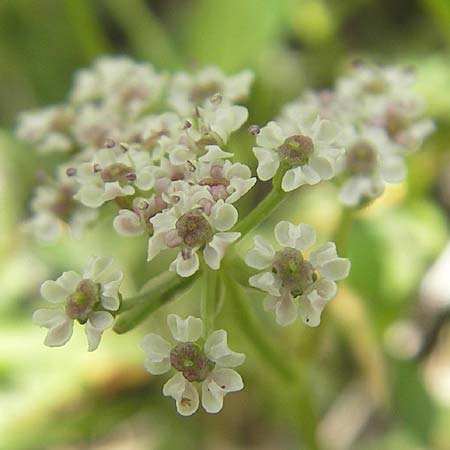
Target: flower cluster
[(359, 132), (158, 149)]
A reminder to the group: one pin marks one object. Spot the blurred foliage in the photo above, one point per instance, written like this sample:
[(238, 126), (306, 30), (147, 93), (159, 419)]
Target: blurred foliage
[(68, 399)]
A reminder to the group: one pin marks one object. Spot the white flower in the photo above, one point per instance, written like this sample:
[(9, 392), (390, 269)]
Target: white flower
[(207, 128), (120, 83), (224, 179), (53, 209), (194, 221), (47, 128), (295, 284), (308, 151), (94, 125), (384, 96), (189, 91), (136, 221), (89, 298), (114, 172), (371, 160), (211, 365)]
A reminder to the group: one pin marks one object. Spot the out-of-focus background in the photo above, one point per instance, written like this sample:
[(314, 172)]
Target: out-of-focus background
[(381, 358)]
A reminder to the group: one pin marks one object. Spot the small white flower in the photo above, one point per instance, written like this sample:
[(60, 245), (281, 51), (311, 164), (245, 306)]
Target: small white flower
[(189, 91), (211, 365), (225, 180), (54, 209), (48, 128), (114, 172), (137, 221), (123, 85), (208, 128), (194, 221), (371, 161), (294, 283), (308, 151), (89, 298)]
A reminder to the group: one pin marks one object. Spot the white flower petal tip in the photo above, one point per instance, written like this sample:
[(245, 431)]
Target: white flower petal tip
[(185, 330), (299, 236), (261, 255), (216, 348), (216, 249), (184, 394), (217, 385)]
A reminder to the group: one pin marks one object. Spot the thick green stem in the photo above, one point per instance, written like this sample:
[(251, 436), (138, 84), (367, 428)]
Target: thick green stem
[(156, 292), (343, 229), (301, 408), (252, 329), (265, 208), (209, 298)]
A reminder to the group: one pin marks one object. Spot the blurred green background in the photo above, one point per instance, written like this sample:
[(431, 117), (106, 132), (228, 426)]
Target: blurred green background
[(368, 394)]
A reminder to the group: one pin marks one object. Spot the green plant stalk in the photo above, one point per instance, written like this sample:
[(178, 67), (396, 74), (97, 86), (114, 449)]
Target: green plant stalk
[(252, 329), (342, 232), (158, 291), (209, 298), (264, 209), (301, 408)]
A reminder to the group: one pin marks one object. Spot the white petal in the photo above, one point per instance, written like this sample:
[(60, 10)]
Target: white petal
[(54, 292), (393, 169), (337, 269), (312, 304), (97, 266), (215, 250), (227, 379), (217, 385), (101, 320), (270, 302), (216, 348), (91, 195), (156, 347), (214, 153), (157, 367), (224, 215), (184, 393), (268, 163), (110, 303), (286, 309), (327, 131), (328, 264), (93, 335), (128, 223), (145, 179), (265, 281), (185, 330), (322, 166), (270, 136), (180, 155), (292, 179), (299, 236), (60, 334), (155, 244), (185, 267), (261, 255), (49, 318)]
